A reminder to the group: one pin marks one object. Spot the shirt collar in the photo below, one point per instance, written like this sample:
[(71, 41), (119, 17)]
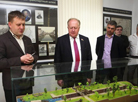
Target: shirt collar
[(108, 37), (15, 35), (135, 34), (77, 37)]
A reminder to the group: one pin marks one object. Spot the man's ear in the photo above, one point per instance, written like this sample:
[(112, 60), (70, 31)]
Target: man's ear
[(9, 24)]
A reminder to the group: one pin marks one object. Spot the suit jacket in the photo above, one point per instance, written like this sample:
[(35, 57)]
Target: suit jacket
[(63, 49), (70, 78), (117, 48), (125, 42), (10, 53)]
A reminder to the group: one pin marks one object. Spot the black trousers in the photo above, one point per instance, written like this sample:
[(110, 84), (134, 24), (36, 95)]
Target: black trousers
[(8, 95)]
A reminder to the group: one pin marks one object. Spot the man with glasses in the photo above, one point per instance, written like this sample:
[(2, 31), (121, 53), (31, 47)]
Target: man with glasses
[(124, 38)]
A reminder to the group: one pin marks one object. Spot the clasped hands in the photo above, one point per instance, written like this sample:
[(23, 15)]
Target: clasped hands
[(61, 82), (27, 67), (27, 59)]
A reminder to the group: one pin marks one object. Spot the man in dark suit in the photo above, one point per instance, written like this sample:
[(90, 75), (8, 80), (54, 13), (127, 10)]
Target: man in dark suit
[(16, 49), (109, 46), (65, 50), (118, 32)]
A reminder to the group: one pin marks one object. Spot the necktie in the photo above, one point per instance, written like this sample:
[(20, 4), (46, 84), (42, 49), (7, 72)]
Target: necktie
[(77, 57)]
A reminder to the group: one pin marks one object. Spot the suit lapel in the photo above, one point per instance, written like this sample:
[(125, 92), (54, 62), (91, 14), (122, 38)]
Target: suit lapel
[(13, 40), (103, 40), (82, 45), (68, 46)]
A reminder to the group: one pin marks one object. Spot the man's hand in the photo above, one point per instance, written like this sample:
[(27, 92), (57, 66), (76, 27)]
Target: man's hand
[(89, 80), (27, 59), (27, 67), (60, 83)]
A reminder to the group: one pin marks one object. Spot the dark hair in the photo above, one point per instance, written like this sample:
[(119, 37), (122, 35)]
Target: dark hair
[(14, 14), (112, 22), (119, 26)]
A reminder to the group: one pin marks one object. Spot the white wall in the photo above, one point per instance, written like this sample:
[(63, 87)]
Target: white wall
[(135, 16), (119, 4)]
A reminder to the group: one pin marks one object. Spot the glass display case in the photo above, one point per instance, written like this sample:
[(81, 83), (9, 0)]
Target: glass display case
[(115, 80)]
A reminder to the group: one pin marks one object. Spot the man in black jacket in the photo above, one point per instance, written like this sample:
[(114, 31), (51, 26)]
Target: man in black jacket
[(118, 32), (16, 49), (109, 46)]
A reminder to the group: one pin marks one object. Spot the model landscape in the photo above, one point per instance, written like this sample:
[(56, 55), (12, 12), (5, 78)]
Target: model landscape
[(122, 91)]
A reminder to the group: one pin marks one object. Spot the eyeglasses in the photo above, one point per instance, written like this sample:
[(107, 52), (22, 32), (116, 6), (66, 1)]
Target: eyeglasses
[(119, 29)]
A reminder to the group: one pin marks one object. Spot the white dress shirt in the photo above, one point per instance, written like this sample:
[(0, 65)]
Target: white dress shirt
[(133, 41), (20, 41), (73, 52)]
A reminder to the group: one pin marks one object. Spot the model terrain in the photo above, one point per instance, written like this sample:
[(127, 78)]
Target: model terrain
[(96, 92)]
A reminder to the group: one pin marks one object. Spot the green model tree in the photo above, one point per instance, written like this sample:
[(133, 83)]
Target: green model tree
[(87, 83), (45, 90), (56, 88), (67, 90), (130, 87), (97, 94), (65, 98), (79, 86), (114, 89), (108, 83), (97, 85), (108, 91), (125, 91), (94, 83), (115, 79), (135, 88)]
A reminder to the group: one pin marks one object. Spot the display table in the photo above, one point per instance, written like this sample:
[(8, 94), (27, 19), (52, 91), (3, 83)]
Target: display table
[(41, 81)]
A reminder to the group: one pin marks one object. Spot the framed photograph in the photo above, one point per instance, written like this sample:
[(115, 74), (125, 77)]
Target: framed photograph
[(27, 14), (39, 17), (30, 32), (51, 49), (124, 21), (46, 34), (106, 20), (42, 50)]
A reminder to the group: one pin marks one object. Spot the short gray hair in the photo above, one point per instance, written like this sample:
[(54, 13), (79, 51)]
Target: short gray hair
[(74, 19)]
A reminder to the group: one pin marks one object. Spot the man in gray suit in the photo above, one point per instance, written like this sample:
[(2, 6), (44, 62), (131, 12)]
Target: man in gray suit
[(16, 49)]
